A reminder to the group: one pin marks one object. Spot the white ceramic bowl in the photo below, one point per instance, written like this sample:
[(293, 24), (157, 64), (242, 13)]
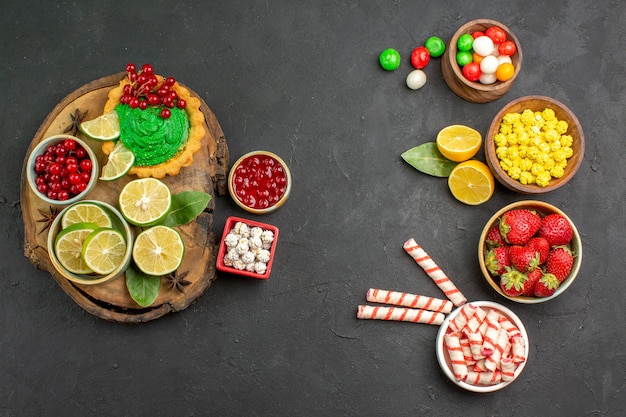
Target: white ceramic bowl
[(31, 175), (118, 222), (444, 359)]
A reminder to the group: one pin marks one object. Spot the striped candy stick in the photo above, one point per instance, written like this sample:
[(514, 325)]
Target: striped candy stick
[(483, 378), (408, 300), (399, 314), (432, 269), (463, 316), (507, 367), (452, 343), (490, 334)]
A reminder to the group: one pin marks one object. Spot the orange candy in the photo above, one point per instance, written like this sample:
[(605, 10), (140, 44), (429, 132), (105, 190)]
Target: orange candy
[(505, 72), (477, 58)]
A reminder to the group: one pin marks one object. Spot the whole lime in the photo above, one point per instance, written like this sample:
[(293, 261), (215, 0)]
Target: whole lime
[(389, 59), (435, 46)]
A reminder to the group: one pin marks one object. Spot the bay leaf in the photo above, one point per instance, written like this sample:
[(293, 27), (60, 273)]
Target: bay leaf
[(142, 288), (427, 159), (186, 206)]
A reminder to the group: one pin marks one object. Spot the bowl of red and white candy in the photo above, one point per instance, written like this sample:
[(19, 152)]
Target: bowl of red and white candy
[(61, 170), (482, 346), (530, 252), (482, 61)]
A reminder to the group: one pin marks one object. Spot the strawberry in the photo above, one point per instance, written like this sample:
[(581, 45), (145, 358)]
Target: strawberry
[(541, 245), (546, 285), (519, 225), (531, 278), (560, 262), (556, 229), (494, 237), (512, 282), (497, 260), (523, 258)]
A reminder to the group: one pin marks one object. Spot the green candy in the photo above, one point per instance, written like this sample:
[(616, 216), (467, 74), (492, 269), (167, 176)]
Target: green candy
[(389, 59), (463, 58), (435, 46), (465, 42)]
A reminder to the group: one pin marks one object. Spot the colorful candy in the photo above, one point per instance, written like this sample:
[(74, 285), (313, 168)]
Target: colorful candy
[(416, 79), (389, 59), (491, 51)]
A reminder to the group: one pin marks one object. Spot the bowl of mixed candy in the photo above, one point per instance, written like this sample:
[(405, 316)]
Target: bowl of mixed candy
[(482, 61)]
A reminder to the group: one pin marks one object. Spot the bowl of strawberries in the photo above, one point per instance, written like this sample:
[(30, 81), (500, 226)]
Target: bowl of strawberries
[(530, 252)]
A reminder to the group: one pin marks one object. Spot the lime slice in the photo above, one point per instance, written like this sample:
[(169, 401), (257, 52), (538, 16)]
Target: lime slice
[(102, 128), (121, 160), (103, 250), (145, 201), (69, 244), (86, 213), (158, 250)]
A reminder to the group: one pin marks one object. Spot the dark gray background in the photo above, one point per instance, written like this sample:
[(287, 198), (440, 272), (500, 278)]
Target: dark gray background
[(301, 78)]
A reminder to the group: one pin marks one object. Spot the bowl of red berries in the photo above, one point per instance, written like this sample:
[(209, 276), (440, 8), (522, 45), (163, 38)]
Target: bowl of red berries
[(482, 61), (530, 252), (62, 169), (259, 182)]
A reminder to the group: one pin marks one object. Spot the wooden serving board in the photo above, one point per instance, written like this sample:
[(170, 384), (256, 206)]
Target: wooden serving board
[(208, 173)]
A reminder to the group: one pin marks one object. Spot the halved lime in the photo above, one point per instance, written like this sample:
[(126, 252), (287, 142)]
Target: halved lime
[(86, 212), (158, 250), (103, 250), (102, 128), (145, 201), (68, 247), (121, 160)]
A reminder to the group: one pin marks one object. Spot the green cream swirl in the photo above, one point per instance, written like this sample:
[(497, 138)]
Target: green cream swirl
[(151, 138)]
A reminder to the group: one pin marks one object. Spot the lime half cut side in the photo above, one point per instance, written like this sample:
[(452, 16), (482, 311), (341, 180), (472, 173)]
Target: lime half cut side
[(145, 201), (121, 160), (102, 128), (103, 250), (69, 244), (158, 250), (86, 212)]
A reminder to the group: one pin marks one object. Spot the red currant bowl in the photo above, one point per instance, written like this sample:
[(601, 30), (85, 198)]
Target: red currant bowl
[(259, 182), (62, 169), (247, 248)]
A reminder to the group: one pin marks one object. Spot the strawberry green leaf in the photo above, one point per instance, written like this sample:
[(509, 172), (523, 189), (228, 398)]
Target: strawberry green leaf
[(427, 159)]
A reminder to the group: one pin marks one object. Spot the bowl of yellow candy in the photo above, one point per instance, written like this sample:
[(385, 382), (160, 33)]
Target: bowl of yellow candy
[(534, 145)]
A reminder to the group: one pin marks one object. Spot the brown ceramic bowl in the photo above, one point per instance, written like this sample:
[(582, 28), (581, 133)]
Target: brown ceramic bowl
[(536, 103), (476, 92), (543, 209)]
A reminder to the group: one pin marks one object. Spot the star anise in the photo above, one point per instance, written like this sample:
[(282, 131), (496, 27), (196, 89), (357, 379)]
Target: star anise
[(177, 281), (77, 119), (48, 218)]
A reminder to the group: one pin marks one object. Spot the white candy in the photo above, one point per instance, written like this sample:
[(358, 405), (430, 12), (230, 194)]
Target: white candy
[(263, 255), (489, 64), (248, 257), (267, 236), (504, 59), (256, 232), (483, 45), (488, 78), (260, 267), (231, 240), (255, 242), (243, 246), (416, 79)]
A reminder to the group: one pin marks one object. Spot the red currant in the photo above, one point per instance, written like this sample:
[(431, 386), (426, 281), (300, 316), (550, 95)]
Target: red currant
[(147, 69), (130, 67), (166, 113), (80, 152), (86, 165), (181, 104)]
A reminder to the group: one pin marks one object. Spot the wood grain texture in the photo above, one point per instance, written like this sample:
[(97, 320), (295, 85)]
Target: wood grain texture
[(208, 173)]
